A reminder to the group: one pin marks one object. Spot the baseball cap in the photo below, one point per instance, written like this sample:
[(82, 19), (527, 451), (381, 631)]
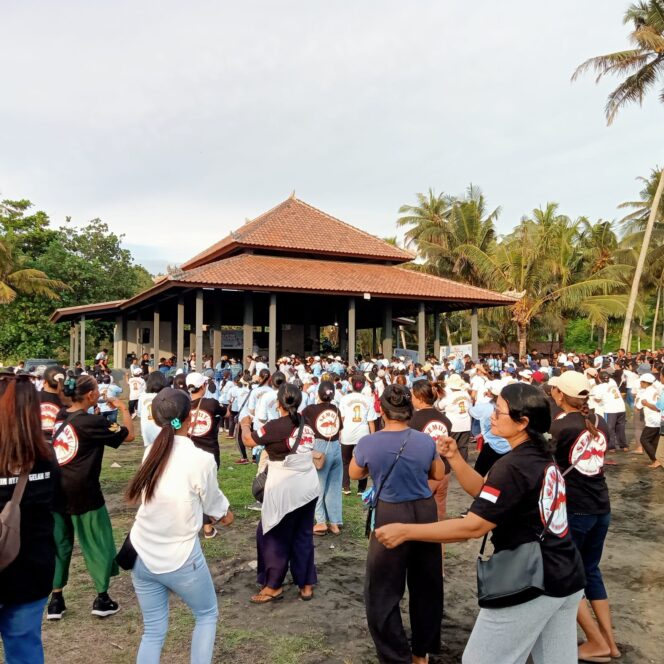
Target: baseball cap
[(647, 378), (195, 379), (539, 377), (571, 383), (495, 387), (136, 371), (526, 373)]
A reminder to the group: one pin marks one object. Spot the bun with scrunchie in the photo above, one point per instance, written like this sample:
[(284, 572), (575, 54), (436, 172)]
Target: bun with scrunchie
[(396, 403)]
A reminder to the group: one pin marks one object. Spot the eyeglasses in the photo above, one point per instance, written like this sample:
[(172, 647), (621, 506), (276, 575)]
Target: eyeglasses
[(498, 412)]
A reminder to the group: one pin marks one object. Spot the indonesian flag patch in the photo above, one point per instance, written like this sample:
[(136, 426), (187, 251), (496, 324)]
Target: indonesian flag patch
[(489, 493), (260, 432)]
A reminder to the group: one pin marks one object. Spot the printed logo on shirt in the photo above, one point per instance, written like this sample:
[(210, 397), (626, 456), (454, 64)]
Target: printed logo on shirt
[(587, 453), (66, 445), (435, 429), (202, 425), (490, 493), (260, 432), (328, 423), (306, 442), (554, 501), (49, 411)]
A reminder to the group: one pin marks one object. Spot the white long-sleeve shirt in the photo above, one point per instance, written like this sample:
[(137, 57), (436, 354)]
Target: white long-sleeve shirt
[(166, 528)]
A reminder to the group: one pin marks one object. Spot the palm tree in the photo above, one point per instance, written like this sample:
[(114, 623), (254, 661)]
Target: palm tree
[(441, 223), (539, 263), (16, 279), (643, 66)]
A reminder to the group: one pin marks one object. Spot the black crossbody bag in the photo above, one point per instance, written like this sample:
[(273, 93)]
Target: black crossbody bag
[(258, 485), (515, 576)]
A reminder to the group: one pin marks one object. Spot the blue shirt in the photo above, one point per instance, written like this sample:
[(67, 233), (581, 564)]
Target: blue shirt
[(483, 412), (408, 480)]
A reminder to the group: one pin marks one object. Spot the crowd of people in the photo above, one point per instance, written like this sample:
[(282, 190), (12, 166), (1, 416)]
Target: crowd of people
[(544, 429)]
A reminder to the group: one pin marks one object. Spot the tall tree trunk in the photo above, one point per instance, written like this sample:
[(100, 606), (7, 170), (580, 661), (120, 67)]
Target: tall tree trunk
[(606, 331), (522, 332), (448, 334), (654, 320), (592, 332), (634, 292)]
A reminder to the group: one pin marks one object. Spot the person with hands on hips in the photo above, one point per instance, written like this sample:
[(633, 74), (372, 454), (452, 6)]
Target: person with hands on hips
[(521, 500)]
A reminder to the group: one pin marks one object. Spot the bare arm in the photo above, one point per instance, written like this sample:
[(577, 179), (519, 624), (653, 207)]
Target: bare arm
[(127, 422), (245, 432), (357, 472), (372, 426), (437, 470), (469, 479), (452, 530)]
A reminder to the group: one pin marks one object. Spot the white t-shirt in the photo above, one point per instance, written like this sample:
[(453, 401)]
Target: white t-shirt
[(149, 428), (237, 395), (266, 407), (651, 418), (612, 400), (595, 398), (357, 411), (631, 380), (136, 387), (478, 385), (166, 528), (456, 405)]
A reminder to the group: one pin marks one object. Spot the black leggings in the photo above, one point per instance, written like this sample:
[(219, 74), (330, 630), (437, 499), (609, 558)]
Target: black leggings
[(418, 564), (346, 456), (486, 458)]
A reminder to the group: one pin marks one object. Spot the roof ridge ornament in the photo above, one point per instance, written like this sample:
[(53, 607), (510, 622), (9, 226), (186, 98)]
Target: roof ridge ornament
[(292, 196)]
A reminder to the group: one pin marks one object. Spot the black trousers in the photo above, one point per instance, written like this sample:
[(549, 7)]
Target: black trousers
[(650, 440), (463, 441), (418, 564), (346, 456), (616, 424), (486, 458)]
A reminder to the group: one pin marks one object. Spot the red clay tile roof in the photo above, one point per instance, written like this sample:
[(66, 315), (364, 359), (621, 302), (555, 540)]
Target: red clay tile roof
[(297, 226), (311, 275)]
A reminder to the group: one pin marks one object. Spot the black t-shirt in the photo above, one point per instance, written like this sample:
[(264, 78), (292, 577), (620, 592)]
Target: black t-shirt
[(325, 420), (279, 437), (518, 496), (434, 423), (204, 431), (587, 492), (49, 407), (79, 448), (30, 576)]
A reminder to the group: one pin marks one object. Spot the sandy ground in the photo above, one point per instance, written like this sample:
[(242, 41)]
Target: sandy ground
[(332, 628), (631, 567)]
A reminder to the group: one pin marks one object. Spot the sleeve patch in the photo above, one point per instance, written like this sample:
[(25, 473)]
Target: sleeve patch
[(489, 493)]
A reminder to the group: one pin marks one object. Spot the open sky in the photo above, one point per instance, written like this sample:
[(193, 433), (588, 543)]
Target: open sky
[(176, 121)]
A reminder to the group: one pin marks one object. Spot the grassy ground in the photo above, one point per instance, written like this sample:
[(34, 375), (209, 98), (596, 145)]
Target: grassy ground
[(80, 637)]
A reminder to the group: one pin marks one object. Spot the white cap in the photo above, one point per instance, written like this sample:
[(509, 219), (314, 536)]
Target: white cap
[(647, 378), (526, 373), (401, 358), (317, 358), (195, 379), (455, 382), (136, 371), (495, 387), (338, 358), (571, 383)]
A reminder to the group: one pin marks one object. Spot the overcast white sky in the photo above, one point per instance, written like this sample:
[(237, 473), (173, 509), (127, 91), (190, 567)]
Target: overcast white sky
[(175, 121)]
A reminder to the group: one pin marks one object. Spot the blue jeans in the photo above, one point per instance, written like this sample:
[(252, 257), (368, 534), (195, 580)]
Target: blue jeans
[(588, 532), (193, 584), (20, 627), (328, 507)]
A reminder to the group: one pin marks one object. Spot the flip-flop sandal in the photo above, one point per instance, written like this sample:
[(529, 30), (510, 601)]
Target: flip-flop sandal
[(210, 535), (305, 598), (320, 533), (596, 659), (265, 599)]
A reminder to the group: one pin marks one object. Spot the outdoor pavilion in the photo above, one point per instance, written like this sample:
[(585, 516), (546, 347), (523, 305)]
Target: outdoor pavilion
[(279, 279)]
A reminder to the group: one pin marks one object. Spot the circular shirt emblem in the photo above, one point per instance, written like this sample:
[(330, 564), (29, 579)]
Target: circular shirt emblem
[(553, 500), (306, 442), (328, 424), (587, 453), (66, 445), (49, 411), (202, 425), (435, 429)]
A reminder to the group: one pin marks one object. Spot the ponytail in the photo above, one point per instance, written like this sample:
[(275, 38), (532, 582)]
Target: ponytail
[(153, 467), (290, 398)]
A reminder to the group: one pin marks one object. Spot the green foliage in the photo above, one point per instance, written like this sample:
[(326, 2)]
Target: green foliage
[(90, 261)]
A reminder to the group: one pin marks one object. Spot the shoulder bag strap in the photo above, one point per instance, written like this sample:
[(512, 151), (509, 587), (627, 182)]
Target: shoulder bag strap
[(19, 488), (389, 472), (299, 436), (66, 421)]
